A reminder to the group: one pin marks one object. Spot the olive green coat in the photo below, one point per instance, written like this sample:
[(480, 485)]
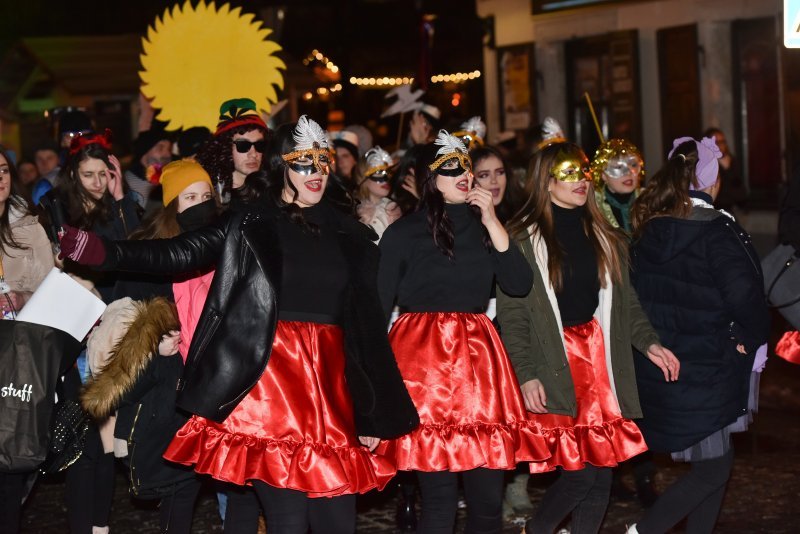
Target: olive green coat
[(533, 335)]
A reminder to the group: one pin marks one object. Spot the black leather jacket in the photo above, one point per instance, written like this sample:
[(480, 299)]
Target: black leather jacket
[(233, 340)]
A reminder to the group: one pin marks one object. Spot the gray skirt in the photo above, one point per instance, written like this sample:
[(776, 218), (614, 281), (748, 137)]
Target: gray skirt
[(719, 443)]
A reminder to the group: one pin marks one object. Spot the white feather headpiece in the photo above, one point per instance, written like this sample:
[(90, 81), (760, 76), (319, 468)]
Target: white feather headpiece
[(377, 159), (475, 126), (307, 133), (449, 144), (450, 147), (551, 129)]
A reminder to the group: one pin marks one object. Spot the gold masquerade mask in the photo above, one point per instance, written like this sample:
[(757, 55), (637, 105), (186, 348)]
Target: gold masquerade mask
[(309, 161), (570, 167)]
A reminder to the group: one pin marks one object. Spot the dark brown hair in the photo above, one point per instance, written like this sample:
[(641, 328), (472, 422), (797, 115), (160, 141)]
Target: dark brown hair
[(667, 192), (83, 210), (15, 200), (513, 196), (537, 211), (216, 155), (268, 184), (432, 203)]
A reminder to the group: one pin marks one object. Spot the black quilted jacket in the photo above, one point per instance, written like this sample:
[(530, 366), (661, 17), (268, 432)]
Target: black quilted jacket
[(699, 282)]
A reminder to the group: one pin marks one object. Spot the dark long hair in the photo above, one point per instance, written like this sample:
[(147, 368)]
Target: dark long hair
[(15, 200), (667, 192), (267, 185), (513, 197), (404, 199), (83, 210), (432, 203), (216, 155), (537, 210)]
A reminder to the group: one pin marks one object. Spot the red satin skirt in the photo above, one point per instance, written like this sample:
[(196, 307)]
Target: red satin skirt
[(788, 347), (598, 435), (461, 381), (294, 429)]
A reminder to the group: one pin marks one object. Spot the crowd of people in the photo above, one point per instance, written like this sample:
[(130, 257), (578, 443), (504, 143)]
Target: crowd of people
[(299, 317)]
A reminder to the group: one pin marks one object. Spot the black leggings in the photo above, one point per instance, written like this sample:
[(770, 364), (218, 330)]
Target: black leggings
[(177, 509), (696, 496), (289, 511), (90, 486), (12, 490), (583, 493), (483, 490)]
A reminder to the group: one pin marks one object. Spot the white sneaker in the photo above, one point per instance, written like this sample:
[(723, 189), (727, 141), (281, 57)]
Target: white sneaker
[(632, 529)]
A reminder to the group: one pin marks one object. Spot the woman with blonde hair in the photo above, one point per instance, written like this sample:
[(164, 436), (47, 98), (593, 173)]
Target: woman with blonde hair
[(570, 339)]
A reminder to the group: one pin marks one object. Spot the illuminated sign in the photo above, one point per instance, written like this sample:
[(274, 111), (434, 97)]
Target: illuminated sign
[(791, 23), (543, 6)]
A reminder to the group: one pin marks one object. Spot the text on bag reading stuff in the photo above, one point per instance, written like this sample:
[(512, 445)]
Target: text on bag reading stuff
[(24, 394)]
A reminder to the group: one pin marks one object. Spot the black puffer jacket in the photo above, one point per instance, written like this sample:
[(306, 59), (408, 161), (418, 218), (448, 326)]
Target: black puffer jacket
[(233, 339), (700, 283)]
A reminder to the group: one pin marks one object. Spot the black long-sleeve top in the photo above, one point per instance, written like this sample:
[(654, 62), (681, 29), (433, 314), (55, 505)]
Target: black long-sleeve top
[(580, 288), (416, 275), (315, 274)]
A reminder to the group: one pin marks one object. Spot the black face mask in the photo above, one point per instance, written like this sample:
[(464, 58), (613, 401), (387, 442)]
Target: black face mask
[(197, 216)]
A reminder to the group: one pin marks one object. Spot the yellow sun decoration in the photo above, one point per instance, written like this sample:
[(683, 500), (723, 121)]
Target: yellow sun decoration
[(195, 58)]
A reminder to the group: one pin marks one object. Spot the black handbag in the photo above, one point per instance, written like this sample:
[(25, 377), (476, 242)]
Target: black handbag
[(782, 282), (31, 358), (69, 428)]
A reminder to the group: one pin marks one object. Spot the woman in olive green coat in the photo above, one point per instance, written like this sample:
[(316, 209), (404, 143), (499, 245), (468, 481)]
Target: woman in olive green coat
[(570, 339)]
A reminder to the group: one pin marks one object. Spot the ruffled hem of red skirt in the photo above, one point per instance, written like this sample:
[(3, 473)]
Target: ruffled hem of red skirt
[(788, 347), (604, 445), (316, 469), (452, 447)]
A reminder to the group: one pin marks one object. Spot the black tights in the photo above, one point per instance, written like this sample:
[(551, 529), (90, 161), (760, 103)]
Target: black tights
[(90, 486), (12, 490), (289, 511), (483, 490), (697, 496), (176, 510), (583, 493)]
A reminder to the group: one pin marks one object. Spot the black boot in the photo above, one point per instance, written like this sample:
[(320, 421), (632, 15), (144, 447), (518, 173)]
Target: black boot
[(646, 491), (644, 472), (406, 517)]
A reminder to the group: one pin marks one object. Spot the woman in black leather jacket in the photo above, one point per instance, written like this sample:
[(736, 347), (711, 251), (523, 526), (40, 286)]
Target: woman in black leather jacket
[(295, 288)]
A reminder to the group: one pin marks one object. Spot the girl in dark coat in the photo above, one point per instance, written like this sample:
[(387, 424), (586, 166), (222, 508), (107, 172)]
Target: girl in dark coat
[(699, 281), (293, 308)]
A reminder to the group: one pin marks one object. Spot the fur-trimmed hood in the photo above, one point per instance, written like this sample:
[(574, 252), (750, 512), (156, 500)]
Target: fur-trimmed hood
[(121, 347)]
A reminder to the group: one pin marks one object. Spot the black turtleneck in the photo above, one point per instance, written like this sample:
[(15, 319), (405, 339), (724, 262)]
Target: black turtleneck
[(420, 278), (579, 296), (314, 270)]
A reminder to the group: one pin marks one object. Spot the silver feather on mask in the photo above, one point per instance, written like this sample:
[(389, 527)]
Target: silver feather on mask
[(449, 144), (307, 133), (476, 125), (377, 157)]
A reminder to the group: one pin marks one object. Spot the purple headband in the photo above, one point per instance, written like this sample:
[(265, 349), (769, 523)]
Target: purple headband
[(708, 154)]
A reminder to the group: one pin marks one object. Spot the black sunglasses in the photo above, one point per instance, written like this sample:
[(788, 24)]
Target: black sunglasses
[(243, 146)]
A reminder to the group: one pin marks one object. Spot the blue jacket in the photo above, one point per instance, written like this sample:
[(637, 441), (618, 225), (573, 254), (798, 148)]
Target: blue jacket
[(700, 283)]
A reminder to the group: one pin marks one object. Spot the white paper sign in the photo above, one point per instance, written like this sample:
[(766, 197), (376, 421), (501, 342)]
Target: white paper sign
[(61, 302)]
